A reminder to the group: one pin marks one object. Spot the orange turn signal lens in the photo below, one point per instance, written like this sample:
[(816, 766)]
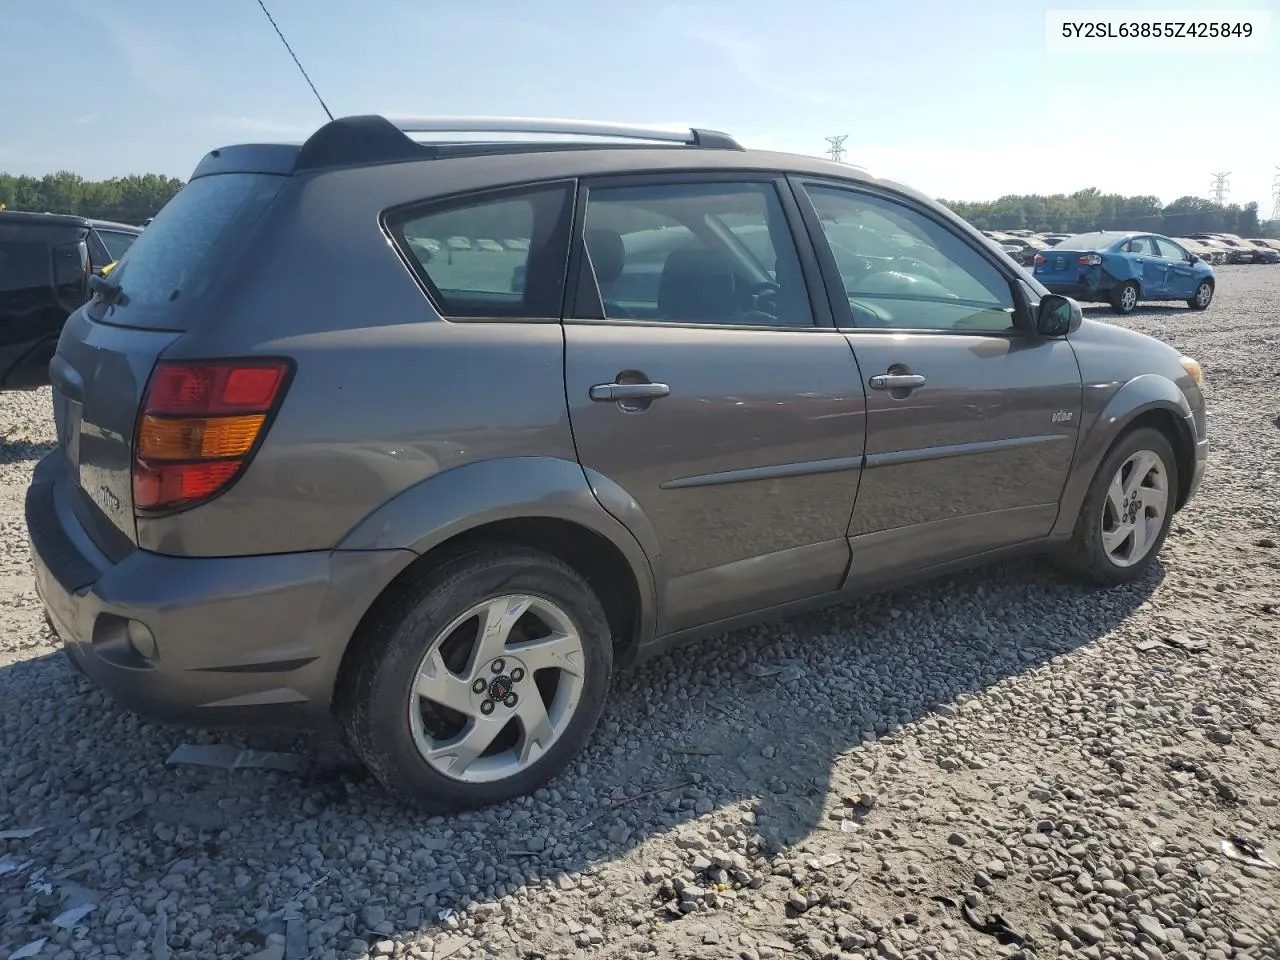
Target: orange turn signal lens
[(197, 438)]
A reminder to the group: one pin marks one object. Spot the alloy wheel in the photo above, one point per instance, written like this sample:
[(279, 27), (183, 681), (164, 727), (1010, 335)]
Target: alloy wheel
[(1134, 513), (496, 688)]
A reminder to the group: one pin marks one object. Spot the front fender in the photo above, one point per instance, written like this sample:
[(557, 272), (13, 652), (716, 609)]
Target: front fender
[(487, 491), (1105, 417)]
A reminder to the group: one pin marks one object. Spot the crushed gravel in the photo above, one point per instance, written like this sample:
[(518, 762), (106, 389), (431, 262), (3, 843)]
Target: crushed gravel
[(997, 764)]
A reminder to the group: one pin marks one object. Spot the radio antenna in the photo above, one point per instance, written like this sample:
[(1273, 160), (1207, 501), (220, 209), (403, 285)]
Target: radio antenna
[(295, 58)]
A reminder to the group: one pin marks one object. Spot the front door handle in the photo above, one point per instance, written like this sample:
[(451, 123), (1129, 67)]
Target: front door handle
[(896, 381), (612, 392)]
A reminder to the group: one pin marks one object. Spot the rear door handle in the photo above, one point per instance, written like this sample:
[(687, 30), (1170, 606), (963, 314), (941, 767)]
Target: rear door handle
[(896, 381), (612, 392)]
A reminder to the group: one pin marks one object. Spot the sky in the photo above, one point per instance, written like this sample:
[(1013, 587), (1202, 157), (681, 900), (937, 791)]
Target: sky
[(963, 100)]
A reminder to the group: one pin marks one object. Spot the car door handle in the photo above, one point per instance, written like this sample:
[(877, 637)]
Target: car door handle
[(896, 381), (611, 392)]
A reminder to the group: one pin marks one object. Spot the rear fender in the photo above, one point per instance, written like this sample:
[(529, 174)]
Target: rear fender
[(468, 497), (1100, 431), (1121, 268)]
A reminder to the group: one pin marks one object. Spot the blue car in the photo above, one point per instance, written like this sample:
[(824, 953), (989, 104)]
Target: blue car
[(1122, 268)]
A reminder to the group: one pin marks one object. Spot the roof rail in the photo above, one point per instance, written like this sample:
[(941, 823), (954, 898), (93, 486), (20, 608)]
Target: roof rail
[(691, 136)]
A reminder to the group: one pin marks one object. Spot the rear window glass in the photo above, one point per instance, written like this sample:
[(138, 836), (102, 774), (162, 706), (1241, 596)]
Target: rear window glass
[(1088, 241), (178, 255)]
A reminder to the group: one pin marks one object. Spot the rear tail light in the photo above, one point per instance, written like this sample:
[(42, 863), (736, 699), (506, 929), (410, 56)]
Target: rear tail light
[(1038, 259), (199, 427), (1089, 259)]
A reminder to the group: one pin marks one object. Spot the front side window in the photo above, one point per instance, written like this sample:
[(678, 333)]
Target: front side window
[(901, 270), (695, 253), (498, 256), (1168, 249)]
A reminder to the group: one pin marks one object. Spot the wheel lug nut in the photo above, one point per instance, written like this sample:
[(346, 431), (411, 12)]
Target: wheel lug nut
[(479, 686), (486, 707), (517, 675), (511, 700), (498, 665)]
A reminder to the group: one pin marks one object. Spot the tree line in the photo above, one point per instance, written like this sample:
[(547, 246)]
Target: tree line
[(134, 199), (1091, 209), (130, 199)]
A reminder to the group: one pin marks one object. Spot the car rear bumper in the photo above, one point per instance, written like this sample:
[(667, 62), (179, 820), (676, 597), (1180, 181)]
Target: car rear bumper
[(1078, 290), (1088, 283), (235, 641)]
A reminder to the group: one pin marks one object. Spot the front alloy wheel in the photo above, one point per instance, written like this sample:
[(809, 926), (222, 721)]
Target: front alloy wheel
[(1135, 508), (1126, 513), (1204, 295)]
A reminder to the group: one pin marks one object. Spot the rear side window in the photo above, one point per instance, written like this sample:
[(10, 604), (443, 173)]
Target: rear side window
[(174, 260), (498, 255), (117, 243)]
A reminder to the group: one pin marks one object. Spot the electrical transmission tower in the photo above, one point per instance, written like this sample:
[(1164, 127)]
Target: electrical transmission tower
[(836, 150), (1218, 192), (1275, 193)]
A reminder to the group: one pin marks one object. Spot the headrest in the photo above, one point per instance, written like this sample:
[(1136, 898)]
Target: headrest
[(696, 285)]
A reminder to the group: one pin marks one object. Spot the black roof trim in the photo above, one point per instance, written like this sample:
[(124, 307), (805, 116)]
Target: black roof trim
[(32, 218), (352, 141)]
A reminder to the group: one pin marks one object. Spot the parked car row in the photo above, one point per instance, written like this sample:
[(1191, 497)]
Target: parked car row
[(1232, 248), (1213, 248)]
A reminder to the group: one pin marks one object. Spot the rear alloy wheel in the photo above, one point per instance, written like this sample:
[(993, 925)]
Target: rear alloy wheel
[(1126, 513), (1124, 297), (1203, 297), (487, 679)]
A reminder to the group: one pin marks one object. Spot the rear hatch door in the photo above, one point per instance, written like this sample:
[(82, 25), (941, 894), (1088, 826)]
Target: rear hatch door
[(109, 346)]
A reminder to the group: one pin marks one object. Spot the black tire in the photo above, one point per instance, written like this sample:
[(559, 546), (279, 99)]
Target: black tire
[(1194, 303), (1083, 557), (374, 704), (1118, 297)]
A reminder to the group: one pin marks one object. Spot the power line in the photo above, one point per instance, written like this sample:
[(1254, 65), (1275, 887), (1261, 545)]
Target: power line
[(295, 58), (1218, 192), (1275, 193), (836, 150)]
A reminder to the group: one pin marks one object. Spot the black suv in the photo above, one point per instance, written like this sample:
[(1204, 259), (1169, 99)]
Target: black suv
[(45, 263)]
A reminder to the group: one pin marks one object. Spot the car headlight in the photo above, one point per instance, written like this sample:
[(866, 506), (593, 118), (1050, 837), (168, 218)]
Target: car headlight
[(1192, 368)]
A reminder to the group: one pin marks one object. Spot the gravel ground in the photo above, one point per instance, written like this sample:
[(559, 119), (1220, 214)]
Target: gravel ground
[(995, 764)]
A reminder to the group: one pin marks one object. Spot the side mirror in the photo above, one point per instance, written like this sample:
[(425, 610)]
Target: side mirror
[(1057, 316)]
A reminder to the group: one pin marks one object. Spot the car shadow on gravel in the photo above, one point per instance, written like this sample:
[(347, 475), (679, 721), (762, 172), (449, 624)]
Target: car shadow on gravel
[(768, 721), (16, 449)]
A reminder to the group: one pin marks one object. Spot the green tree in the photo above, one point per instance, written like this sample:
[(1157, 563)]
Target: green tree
[(1090, 209), (131, 199)]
